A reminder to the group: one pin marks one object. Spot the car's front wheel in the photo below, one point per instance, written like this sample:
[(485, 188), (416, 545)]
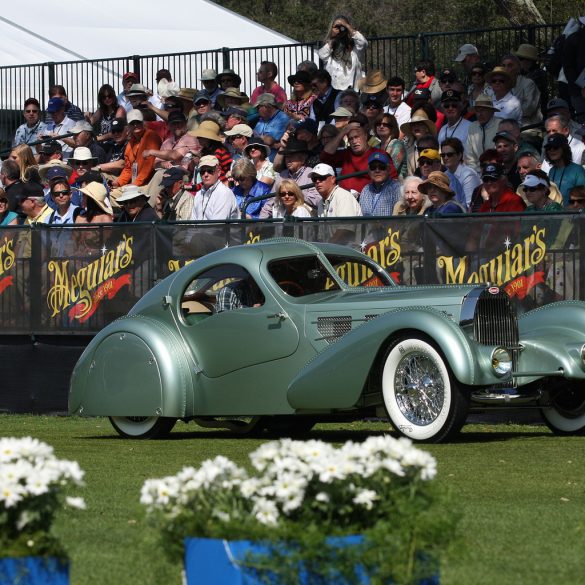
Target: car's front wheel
[(422, 398), (566, 413), (143, 427)]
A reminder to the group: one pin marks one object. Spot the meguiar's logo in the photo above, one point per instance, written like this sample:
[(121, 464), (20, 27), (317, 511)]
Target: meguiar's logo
[(508, 267), (7, 258), (82, 291)]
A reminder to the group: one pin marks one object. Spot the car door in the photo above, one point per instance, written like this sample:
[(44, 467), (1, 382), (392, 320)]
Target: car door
[(230, 340)]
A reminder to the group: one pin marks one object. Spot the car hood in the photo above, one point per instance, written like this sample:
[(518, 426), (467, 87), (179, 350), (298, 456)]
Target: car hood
[(440, 297)]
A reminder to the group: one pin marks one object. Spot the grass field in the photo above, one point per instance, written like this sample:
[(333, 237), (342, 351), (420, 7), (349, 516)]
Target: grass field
[(521, 491)]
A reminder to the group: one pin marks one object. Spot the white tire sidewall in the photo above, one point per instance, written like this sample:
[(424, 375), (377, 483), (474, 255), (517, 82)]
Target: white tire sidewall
[(563, 423), (398, 419), (135, 428)]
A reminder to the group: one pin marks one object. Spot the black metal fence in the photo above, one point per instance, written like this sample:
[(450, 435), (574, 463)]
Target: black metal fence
[(395, 55)]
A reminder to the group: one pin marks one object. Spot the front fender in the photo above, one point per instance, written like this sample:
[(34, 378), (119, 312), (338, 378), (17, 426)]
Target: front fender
[(134, 367), (335, 378), (553, 336)]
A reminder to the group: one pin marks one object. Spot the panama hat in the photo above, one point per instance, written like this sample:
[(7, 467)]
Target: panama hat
[(99, 194), (439, 180), (207, 129), (406, 127), (373, 82), (54, 164)]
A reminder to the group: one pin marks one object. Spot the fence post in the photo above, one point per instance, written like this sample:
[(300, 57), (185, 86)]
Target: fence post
[(51, 73), (136, 65), (531, 34), (225, 52), (424, 47)]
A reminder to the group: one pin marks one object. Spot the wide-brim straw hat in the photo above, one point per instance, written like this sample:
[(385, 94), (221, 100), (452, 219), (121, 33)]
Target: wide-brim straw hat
[(405, 128), (258, 144), (230, 74), (502, 71), (485, 101), (526, 51), (207, 129), (232, 92), (99, 194), (52, 165), (130, 192), (186, 93), (373, 82), (439, 180)]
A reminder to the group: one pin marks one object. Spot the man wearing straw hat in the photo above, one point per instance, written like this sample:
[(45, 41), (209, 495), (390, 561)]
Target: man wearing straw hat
[(482, 132)]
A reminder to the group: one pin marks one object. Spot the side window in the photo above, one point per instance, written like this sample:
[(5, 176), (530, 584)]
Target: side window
[(301, 276), (222, 288)]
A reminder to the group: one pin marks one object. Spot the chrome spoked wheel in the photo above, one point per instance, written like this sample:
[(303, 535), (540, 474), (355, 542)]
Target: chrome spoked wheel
[(142, 427), (422, 399), (419, 387)]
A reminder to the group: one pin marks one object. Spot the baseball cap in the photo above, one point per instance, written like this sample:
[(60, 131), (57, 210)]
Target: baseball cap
[(130, 75), (534, 181), (55, 104), (172, 175), (492, 171), (505, 135), (176, 116), (555, 141), (50, 147), (556, 103), (118, 124), (208, 161), (380, 157), (322, 170), (421, 93), (430, 153), (240, 130), (464, 51), (135, 116)]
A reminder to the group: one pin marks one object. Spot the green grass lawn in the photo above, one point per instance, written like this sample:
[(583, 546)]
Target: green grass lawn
[(521, 491)]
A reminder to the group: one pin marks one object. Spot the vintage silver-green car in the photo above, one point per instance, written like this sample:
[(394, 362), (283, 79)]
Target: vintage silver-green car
[(282, 334)]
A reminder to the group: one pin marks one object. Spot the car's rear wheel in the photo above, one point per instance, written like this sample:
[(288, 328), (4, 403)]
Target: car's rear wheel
[(143, 427), (566, 413), (421, 396)]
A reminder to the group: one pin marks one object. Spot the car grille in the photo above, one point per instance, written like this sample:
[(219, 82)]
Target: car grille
[(332, 328), (495, 323)]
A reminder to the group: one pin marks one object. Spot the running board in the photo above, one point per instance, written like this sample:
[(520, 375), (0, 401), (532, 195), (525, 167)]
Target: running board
[(510, 396)]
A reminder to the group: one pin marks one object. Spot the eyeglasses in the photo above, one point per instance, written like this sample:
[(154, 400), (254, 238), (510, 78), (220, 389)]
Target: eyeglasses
[(498, 80), (384, 125), (201, 104), (425, 162), (377, 167), (236, 136), (532, 189), (448, 154), (31, 111), (82, 163), (61, 193), (450, 105), (286, 194), (206, 171)]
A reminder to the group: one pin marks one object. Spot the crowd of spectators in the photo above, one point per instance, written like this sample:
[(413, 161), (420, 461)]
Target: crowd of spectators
[(336, 141)]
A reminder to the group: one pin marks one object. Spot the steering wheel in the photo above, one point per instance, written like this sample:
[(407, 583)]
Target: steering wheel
[(292, 288)]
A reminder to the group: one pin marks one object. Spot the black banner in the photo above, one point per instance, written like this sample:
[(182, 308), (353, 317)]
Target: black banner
[(75, 280)]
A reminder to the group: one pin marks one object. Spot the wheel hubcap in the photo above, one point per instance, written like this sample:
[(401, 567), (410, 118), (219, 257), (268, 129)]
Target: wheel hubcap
[(419, 388)]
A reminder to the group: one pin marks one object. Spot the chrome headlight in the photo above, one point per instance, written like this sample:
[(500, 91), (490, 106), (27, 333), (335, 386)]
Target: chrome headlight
[(501, 361)]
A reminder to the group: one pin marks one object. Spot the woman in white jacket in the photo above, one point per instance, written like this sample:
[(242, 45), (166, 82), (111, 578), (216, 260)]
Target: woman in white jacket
[(343, 53)]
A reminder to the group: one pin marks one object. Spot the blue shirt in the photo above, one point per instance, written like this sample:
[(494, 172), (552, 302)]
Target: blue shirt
[(376, 200), (275, 128), (566, 178), (259, 188)]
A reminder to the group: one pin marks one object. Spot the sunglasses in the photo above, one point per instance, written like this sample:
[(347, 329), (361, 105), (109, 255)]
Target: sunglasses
[(384, 125), (319, 178), (61, 193), (425, 162), (82, 163), (448, 154), (286, 194), (377, 167), (31, 111), (498, 80), (372, 106), (450, 105), (532, 189), (206, 171), (477, 73)]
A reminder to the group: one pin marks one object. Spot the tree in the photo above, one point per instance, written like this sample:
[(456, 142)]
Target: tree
[(520, 12)]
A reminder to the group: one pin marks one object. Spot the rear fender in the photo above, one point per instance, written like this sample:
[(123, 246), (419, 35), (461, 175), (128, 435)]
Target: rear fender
[(134, 367)]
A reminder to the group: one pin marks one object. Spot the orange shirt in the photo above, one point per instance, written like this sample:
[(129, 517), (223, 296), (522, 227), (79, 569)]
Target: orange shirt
[(133, 154)]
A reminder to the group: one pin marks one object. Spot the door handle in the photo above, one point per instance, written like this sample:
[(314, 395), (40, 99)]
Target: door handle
[(280, 316)]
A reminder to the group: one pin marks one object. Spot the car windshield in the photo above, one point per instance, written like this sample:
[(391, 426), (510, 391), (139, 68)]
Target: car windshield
[(302, 275), (359, 271)]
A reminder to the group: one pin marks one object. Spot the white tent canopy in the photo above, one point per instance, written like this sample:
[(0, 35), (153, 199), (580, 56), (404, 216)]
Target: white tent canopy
[(36, 32)]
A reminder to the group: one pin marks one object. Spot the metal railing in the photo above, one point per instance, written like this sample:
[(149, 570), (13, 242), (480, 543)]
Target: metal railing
[(394, 55)]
